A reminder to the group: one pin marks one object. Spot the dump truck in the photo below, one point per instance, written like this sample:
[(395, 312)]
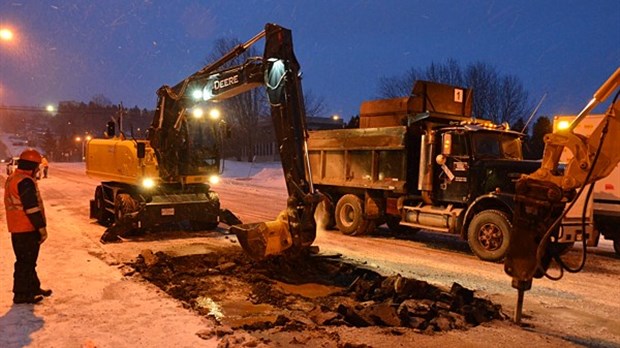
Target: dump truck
[(422, 162)]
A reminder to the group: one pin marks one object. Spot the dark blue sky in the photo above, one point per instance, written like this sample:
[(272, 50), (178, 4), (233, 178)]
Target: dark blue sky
[(125, 50)]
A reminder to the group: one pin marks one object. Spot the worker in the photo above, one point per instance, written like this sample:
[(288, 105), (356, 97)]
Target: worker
[(45, 165), (25, 217)]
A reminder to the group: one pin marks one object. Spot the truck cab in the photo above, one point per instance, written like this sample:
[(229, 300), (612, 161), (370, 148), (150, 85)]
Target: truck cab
[(476, 159)]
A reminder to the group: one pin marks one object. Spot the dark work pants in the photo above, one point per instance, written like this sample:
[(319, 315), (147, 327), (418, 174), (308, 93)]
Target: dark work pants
[(26, 249)]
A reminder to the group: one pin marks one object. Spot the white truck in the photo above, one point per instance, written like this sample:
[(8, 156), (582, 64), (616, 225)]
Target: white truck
[(605, 200)]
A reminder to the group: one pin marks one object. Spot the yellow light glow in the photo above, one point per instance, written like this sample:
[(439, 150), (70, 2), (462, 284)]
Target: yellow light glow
[(6, 34), (214, 114), (88, 137), (148, 183), (335, 117), (563, 125), (78, 139), (214, 179), (197, 112), (50, 108)]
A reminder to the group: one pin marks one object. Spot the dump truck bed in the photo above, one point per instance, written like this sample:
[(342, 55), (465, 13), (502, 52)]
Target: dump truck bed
[(366, 158)]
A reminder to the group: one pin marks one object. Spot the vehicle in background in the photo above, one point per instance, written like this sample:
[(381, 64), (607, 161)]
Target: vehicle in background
[(603, 206), (11, 165)]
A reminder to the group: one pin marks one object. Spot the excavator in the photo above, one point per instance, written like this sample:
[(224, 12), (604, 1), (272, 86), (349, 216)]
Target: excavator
[(278, 71), (544, 196)]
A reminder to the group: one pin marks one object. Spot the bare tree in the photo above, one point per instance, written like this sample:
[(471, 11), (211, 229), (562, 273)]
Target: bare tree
[(245, 110), (315, 106), (248, 112), (100, 100), (511, 99), (399, 86), (483, 79), (449, 72), (496, 98)]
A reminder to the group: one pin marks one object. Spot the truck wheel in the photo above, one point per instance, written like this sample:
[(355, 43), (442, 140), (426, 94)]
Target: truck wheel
[(488, 235), (350, 216), (124, 205), (102, 215)]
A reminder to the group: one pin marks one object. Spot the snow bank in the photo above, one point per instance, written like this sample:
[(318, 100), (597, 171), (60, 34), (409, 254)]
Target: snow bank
[(265, 174)]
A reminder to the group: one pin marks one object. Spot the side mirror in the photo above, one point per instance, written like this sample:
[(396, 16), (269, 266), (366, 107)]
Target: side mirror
[(446, 144), (141, 150)]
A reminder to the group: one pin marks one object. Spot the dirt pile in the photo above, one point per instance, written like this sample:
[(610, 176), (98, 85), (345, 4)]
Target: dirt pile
[(309, 292)]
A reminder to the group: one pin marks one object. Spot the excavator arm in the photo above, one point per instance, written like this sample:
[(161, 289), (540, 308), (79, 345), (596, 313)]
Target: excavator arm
[(541, 197), (279, 72), (295, 227)]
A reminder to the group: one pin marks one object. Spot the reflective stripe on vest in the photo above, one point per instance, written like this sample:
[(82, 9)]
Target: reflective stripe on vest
[(16, 218)]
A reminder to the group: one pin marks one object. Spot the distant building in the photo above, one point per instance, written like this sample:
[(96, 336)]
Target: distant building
[(266, 150)]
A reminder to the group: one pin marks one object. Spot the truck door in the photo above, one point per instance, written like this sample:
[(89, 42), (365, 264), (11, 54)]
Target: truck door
[(452, 168)]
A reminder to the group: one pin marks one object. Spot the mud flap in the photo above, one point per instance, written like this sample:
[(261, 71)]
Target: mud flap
[(262, 239)]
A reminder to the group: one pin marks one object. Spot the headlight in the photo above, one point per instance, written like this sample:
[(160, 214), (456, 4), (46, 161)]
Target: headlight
[(214, 179), (148, 183)]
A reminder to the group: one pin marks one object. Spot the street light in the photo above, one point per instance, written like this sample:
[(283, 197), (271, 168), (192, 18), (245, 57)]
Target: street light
[(84, 140), (6, 34)]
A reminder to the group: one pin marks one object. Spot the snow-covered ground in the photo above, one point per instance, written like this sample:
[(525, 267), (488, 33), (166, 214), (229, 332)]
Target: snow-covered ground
[(93, 305)]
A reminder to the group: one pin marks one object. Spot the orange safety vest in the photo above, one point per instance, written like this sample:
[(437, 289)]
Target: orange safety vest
[(16, 217)]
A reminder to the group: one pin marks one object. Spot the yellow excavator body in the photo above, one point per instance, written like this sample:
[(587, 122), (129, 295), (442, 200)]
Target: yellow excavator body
[(116, 159)]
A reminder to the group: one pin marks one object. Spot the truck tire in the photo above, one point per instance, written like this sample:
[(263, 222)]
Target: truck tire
[(488, 235), (103, 216), (350, 216), (124, 205)]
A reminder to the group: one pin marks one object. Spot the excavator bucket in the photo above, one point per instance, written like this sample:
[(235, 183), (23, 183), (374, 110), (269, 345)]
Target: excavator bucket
[(262, 239)]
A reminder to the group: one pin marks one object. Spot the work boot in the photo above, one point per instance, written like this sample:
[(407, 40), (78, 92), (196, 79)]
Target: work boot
[(17, 299), (45, 292)]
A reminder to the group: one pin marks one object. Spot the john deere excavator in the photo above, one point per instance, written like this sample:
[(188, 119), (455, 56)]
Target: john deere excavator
[(166, 178), (279, 72), (541, 197)]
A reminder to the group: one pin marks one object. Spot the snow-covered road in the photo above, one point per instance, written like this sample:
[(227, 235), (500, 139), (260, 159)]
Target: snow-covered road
[(94, 303)]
